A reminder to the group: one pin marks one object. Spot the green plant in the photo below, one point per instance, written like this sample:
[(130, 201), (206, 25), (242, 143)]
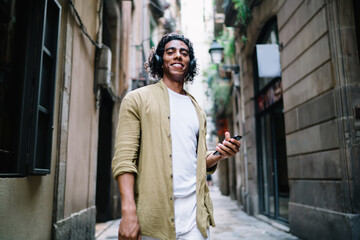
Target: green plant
[(227, 40), (210, 74), (218, 90), (244, 39), (221, 94), (243, 11)]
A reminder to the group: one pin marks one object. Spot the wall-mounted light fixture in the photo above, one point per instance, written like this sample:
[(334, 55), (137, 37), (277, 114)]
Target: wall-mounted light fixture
[(216, 52)]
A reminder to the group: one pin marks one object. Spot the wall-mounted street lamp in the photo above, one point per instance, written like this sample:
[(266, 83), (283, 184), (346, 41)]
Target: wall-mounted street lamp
[(216, 52)]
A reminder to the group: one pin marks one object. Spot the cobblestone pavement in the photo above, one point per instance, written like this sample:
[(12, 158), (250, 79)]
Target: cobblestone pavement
[(107, 230), (231, 224)]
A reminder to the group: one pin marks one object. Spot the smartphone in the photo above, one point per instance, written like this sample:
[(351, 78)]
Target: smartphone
[(236, 137)]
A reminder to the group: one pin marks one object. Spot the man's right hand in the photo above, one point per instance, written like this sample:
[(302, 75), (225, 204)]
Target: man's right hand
[(129, 227)]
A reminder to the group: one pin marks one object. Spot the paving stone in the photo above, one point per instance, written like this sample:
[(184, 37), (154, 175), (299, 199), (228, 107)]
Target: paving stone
[(231, 223), (107, 230)]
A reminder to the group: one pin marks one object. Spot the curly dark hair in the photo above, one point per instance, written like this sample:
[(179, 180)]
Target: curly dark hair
[(154, 64)]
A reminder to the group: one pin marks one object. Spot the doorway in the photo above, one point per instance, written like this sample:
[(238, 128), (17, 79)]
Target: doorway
[(273, 179), (270, 134), (104, 157)]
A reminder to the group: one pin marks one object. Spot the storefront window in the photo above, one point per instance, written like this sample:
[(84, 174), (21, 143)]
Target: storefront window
[(271, 143)]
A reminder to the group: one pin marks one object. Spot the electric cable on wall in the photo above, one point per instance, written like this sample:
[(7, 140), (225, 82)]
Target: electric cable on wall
[(82, 26)]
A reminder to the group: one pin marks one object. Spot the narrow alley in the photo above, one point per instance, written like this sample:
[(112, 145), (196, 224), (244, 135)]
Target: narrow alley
[(231, 223), (282, 74)]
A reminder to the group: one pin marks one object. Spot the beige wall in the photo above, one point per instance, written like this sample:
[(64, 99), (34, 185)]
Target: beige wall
[(135, 39), (66, 197), (83, 119), (126, 21), (140, 33), (26, 205)]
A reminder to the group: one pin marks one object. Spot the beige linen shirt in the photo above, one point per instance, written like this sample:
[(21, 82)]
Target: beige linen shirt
[(143, 147)]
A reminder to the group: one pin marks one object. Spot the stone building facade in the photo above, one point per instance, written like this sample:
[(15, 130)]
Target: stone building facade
[(299, 165)]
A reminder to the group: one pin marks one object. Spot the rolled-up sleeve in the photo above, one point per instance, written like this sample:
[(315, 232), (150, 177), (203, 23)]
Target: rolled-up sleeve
[(213, 168), (127, 138)]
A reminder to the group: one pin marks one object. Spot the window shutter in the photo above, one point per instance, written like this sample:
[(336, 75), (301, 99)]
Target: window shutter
[(40, 142)]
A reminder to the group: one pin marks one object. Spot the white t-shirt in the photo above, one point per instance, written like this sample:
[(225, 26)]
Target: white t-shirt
[(184, 126)]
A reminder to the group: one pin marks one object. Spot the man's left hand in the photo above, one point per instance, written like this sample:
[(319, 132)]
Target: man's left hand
[(229, 147)]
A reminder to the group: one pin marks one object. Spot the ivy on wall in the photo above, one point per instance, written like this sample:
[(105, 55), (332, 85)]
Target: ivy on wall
[(243, 12), (218, 90), (243, 16), (227, 40), (219, 87)]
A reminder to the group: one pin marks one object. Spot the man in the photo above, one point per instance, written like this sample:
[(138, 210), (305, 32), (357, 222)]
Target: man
[(161, 158)]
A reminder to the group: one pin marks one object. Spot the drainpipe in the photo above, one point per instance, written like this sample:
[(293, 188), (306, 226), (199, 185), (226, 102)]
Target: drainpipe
[(247, 200)]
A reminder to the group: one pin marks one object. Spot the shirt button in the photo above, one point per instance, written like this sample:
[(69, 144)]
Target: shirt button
[(171, 198), (171, 176), (169, 155), (168, 117), (172, 219), (169, 135)]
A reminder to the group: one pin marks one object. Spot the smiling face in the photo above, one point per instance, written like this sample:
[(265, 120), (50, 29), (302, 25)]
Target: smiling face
[(176, 61)]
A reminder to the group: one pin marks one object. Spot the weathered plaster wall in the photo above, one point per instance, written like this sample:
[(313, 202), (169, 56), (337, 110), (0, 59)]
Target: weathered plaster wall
[(83, 119), (26, 207)]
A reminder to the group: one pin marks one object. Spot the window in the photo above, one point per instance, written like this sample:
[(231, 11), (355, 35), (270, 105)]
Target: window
[(28, 53)]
